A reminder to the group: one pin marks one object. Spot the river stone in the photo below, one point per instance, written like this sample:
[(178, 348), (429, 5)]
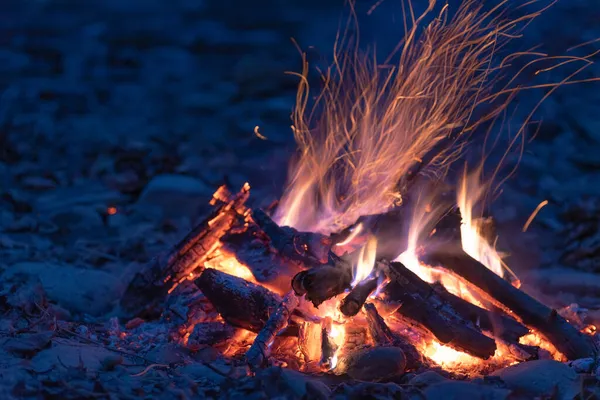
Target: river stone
[(374, 364), (75, 289), (541, 378)]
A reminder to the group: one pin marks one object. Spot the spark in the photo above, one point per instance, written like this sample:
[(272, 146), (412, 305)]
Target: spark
[(533, 215), (258, 134)]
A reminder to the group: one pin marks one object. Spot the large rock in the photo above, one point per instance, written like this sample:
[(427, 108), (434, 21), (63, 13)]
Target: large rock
[(541, 378), (75, 289), (175, 196)]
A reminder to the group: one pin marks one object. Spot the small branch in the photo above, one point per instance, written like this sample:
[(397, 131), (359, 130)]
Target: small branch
[(258, 353), (353, 302)]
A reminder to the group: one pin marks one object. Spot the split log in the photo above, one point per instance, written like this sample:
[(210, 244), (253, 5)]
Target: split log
[(353, 302), (151, 285), (382, 335), (324, 281), (307, 247), (258, 353), (568, 340), (500, 324), (447, 325), (240, 303)]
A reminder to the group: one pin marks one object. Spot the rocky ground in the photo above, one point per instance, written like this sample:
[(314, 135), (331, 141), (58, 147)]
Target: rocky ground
[(119, 119)]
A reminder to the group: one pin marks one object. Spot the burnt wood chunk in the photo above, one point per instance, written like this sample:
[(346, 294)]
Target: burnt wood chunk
[(151, 285), (565, 337), (353, 302), (307, 247), (258, 353), (241, 303), (324, 281), (423, 306)]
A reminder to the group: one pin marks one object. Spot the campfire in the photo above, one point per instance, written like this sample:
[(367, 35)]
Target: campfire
[(362, 268)]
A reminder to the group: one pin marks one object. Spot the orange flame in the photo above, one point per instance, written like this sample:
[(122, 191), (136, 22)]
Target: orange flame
[(371, 124)]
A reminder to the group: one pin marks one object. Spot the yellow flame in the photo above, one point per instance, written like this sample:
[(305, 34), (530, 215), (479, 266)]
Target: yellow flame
[(371, 124), (366, 260), (469, 193)]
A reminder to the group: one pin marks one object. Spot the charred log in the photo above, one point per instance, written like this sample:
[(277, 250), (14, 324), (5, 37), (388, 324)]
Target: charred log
[(240, 303), (323, 282), (150, 286), (447, 325), (382, 335), (307, 247), (568, 340), (258, 353), (353, 302)]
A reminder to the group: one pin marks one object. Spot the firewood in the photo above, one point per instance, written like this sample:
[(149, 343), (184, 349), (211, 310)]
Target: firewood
[(500, 324), (353, 302), (151, 285), (382, 335), (239, 302), (307, 247), (258, 353), (568, 340), (324, 281), (209, 333), (431, 312)]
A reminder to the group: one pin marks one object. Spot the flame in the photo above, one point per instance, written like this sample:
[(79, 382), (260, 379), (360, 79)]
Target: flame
[(366, 261), (225, 261), (469, 193), (372, 124)]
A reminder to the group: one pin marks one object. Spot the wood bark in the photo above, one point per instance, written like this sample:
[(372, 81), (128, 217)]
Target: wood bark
[(258, 353), (568, 340), (150, 286), (431, 312), (240, 303)]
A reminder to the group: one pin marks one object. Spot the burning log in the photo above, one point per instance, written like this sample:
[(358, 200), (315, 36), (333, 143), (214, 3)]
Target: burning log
[(258, 352), (240, 303), (568, 340), (307, 247), (209, 333), (500, 324), (448, 326), (382, 335), (324, 281), (353, 302), (150, 286)]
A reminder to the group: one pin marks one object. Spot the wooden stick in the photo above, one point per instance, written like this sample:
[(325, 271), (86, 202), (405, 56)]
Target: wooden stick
[(258, 353), (240, 303), (353, 302), (448, 326), (568, 340), (150, 286)]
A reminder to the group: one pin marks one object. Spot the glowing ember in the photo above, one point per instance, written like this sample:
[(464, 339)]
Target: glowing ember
[(226, 262)]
